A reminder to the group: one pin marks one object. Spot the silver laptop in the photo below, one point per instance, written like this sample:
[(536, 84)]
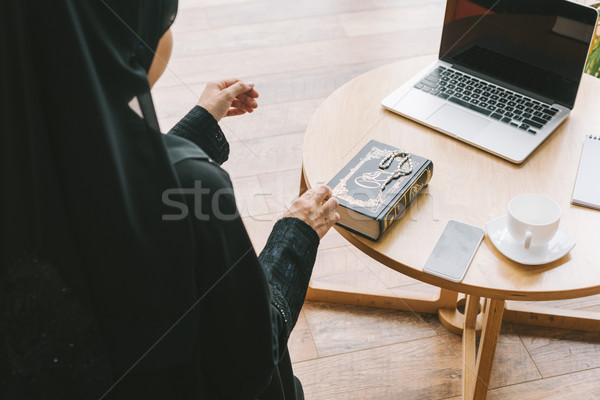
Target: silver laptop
[(507, 75)]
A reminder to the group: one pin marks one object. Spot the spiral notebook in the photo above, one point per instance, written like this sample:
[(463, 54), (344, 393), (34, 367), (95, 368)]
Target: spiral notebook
[(587, 186)]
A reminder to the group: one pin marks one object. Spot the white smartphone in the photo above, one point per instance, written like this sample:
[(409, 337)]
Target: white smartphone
[(454, 251)]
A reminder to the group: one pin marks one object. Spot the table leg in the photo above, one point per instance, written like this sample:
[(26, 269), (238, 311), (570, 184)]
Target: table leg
[(454, 320), (469, 337), (477, 370), (538, 315), (408, 301), (303, 184)]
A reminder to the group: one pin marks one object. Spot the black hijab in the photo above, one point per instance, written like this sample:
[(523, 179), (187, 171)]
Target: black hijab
[(80, 189)]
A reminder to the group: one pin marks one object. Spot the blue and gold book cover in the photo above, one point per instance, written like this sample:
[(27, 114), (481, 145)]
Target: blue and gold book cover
[(358, 186)]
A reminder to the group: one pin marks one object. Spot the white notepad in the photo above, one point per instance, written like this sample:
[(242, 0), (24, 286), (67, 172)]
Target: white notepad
[(587, 186)]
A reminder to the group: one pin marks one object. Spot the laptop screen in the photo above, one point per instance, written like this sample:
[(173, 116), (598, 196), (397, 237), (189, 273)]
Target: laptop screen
[(538, 47)]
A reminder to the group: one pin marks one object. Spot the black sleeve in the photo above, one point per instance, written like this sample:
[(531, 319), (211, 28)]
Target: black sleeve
[(288, 259), (201, 128)]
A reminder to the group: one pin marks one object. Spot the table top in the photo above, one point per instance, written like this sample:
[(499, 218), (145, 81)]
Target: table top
[(468, 185)]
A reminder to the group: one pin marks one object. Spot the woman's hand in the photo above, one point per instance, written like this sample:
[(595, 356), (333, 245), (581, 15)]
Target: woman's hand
[(317, 208), (228, 98)]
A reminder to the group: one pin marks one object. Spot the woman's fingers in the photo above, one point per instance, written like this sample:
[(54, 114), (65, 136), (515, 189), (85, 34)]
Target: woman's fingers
[(330, 206), (308, 194), (238, 88), (242, 106), (226, 83), (317, 208), (331, 217), (253, 93), (229, 97), (234, 112), (246, 99), (334, 218), (322, 193)]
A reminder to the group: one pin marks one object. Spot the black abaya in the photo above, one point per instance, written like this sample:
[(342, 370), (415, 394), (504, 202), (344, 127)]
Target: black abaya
[(185, 302)]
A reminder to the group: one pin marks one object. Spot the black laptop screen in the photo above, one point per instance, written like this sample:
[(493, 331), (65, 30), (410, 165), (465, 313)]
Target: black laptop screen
[(536, 46)]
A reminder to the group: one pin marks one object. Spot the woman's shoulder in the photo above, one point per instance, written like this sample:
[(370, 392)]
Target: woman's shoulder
[(192, 164)]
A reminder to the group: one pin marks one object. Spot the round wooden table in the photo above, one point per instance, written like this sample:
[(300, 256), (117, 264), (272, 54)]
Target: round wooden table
[(472, 186)]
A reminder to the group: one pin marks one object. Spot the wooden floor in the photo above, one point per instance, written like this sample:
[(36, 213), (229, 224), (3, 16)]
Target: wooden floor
[(298, 53)]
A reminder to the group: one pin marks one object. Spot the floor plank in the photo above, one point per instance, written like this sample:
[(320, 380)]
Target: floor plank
[(512, 363), (342, 260), (326, 53), (256, 35), (430, 369), (391, 278), (265, 155), (301, 345), (560, 351), (249, 196), (274, 120), (259, 227), (580, 386), (341, 329), (393, 19), (280, 189), (371, 373), (274, 10), (192, 18), (311, 83)]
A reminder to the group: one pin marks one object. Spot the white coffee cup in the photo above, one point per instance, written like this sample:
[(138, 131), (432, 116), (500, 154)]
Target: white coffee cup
[(533, 219)]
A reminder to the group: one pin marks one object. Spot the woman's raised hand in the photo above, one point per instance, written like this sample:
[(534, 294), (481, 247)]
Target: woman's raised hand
[(228, 98), (317, 208)]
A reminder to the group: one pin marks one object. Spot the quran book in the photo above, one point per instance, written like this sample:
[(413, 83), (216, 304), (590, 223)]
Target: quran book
[(587, 186), (365, 208)]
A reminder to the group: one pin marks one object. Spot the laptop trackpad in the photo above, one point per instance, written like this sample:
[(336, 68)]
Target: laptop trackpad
[(458, 122)]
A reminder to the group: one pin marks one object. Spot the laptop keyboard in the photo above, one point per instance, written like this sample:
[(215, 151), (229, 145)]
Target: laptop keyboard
[(501, 104)]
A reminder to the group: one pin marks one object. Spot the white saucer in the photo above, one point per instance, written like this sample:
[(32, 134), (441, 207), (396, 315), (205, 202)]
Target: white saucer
[(556, 248)]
